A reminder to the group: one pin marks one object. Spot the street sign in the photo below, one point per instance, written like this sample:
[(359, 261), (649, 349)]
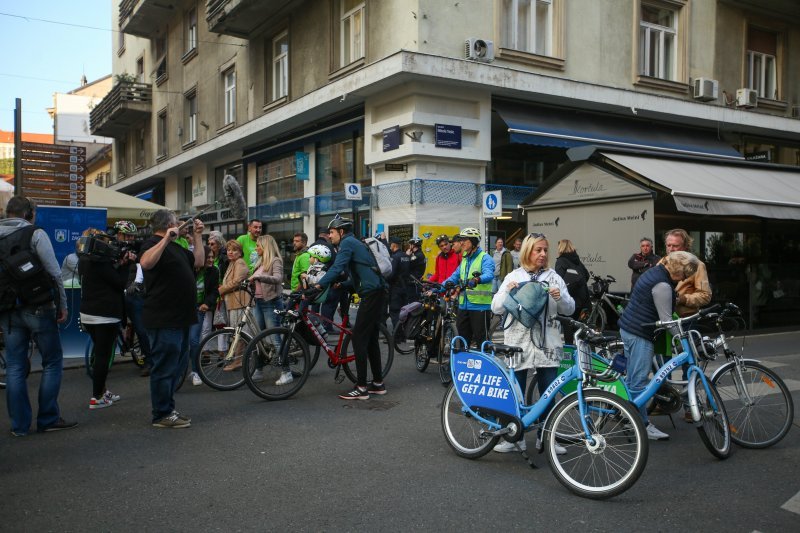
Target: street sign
[(54, 148), (492, 204), (52, 165), (54, 174), (352, 191)]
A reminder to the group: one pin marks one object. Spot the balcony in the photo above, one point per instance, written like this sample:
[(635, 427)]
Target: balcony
[(127, 104), (240, 18), (144, 18)]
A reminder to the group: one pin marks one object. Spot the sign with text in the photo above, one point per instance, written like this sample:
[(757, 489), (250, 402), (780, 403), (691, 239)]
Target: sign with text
[(492, 204), (352, 191), (447, 136), (54, 174), (301, 165), (391, 138), (481, 383)]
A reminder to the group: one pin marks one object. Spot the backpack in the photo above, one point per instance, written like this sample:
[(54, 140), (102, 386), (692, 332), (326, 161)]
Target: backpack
[(577, 288), (23, 279), (381, 254)]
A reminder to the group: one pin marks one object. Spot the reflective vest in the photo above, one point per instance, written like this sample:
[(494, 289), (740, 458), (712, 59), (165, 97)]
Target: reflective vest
[(482, 293)]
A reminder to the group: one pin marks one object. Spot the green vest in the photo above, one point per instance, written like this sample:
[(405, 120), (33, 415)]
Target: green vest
[(482, 293)]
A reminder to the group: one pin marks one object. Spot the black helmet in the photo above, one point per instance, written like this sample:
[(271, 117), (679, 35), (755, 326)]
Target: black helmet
[(415, 241), (341, 223), (442, 238)]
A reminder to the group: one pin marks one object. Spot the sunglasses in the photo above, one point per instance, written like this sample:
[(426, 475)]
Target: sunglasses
[(537, 235)]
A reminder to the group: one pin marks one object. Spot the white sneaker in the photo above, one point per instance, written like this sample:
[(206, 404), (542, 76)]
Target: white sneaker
[(110, 396), (560, 450), (196, 379), (653, 433), (285, 379), (258, 375), (508, 447)]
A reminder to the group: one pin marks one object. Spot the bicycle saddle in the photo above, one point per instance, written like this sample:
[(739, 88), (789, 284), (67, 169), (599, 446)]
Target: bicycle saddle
[(599, 340), (504, 349)]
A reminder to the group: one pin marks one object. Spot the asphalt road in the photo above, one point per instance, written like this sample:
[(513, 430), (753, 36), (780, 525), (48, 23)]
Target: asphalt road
[(316, 463)]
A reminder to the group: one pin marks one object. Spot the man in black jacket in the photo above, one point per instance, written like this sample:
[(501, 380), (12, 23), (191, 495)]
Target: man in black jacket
[(643, 260), (398, 281)]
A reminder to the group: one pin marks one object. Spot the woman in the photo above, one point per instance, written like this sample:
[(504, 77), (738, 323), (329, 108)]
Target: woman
[(652, 298), (575, 275), (207, 281), (103, 283), (541, 346), (235, 299), (268, 278)]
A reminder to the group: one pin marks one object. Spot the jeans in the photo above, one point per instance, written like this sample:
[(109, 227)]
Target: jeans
[(195, 334), (639, 352), (169, 351), (134, 305), (264, 312), (19, 327)]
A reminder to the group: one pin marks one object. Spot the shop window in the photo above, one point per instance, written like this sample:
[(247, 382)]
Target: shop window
[(761, 62), (276, 180), (340, 161), (237, 171)]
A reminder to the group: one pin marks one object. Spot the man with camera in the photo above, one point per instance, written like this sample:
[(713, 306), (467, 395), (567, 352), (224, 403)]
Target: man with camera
[(169, 310)]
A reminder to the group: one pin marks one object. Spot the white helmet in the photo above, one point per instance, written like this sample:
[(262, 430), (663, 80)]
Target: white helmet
[(322, 253), (470, 233)]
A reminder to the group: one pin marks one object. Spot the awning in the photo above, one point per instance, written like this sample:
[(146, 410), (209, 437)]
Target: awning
[(566, 129), (767, 191), (119, 205)]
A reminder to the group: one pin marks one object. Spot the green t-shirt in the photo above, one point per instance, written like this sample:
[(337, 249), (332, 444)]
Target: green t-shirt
[(249, 253), (183, 242), (300, 265)]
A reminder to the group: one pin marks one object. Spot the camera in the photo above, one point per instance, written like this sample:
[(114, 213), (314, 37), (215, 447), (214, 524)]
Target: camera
[(99, 247)]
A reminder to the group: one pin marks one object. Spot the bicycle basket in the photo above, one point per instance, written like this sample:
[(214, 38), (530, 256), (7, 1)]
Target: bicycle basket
[(595, 365), (704, 348)]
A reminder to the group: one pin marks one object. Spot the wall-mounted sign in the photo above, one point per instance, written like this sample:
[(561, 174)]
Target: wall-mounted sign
[(448, 136), (764, 157), (301, 165), (492, 204), (395, 167), (391, 138), (352, 191)]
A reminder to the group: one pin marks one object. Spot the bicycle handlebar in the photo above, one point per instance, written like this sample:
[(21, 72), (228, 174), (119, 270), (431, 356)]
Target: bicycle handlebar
[(667, 323)]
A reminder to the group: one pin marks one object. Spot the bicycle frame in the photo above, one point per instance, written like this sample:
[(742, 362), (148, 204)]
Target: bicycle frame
[(334, 353)]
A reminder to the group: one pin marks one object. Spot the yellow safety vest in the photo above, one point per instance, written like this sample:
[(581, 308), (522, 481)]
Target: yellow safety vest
[(482, 293)]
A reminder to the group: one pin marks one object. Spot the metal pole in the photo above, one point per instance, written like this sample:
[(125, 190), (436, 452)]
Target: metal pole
[(18, 147)]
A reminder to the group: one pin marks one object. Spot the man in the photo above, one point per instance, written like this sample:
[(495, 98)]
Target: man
[(169, 311), (301, 259), (474, 303), (503, 264), (455, 244), (639, 262), (248, 242), (398, 281), (446, 262), (354, 256), (417, 263), (515, 253), (29, 320)]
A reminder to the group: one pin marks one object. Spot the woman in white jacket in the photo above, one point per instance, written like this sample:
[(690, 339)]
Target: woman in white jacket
[(541, 352)]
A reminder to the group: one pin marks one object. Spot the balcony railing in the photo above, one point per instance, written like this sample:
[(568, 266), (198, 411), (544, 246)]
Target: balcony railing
[(239, 18), (144, 18), (127, 104)]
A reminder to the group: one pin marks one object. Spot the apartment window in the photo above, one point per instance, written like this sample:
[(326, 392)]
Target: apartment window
[(191, 30), (187, 194), (139, 149), (658, 41), (351, 31), (140, 70), (190, 105), (122, 159), (280, 66), (761, 62), (120, 42), (162, 133), (528, 26), (229, 96), (161, 59)]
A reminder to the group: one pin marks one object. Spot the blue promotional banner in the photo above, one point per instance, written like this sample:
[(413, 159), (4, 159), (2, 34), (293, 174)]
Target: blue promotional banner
[(301, 165), (64, 225), (480, 382), (447, 136), (391, 138)]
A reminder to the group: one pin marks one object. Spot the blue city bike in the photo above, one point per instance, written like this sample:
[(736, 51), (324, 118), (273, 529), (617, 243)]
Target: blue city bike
[(603, 434)]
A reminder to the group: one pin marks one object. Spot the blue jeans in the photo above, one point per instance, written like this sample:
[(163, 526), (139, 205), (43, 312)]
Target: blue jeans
[(169, 351), (639, 352), (264, 312), (19, 327), (134, 305), (194, 341)]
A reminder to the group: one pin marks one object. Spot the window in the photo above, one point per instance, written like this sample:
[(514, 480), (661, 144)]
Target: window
[(187, 194), (237, 171), (140, 70), (340, 161), (191, 30), (190, 105), (139, 154), (277, 180), (761, 62), (351, 31), (280, 66), (161, 59), (162, 133), (658, 42), (229, 96), (528, 26), (120, 42)]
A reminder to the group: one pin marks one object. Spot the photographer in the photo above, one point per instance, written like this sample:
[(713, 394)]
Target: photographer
[(103, 273)]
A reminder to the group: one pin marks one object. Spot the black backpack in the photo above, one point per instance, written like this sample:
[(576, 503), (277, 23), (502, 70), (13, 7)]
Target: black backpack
[(23, 279)]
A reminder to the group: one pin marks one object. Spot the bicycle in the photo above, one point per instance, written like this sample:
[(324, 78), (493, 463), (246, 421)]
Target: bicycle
[(605, 438), (603, 303), (126, 344), (288, 348)]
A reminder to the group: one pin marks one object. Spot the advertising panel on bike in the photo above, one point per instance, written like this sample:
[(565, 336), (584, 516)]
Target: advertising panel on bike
[(480, 382)]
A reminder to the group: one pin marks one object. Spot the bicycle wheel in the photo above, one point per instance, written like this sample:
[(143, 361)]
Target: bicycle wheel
[(597, 319), (401, 344), (714, 428), (759, 405), (219, 350), (184, 374), (273, 352), (386, 346), (314, 358), (448, 334), (615, 459), (465, 433), (421, 356)]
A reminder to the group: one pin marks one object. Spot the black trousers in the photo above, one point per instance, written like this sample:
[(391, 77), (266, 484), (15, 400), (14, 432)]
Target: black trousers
[(104, 337), (371, 313), (473, 326)]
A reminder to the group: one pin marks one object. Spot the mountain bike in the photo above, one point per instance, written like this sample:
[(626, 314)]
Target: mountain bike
[(605, 438), (126, 344), (603, 303), (287, 350)]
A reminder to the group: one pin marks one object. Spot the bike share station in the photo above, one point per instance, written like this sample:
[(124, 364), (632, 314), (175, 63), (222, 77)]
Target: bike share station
[(744, 217)]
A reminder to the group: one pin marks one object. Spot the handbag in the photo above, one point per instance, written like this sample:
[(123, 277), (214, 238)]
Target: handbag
[(526, 302), (220, 315)]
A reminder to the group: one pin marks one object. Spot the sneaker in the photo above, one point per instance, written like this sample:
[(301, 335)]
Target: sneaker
[(102, 403), (59, 425), (285, 379), (18, 434), (508, 447), (108, 395), (182, 417), (356, 394), (560, 450), (172, 421), (196, 379), (653, 433), (258, 375), (374, 388)]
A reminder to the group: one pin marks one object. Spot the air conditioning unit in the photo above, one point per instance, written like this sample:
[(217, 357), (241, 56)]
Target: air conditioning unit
[(479, 49), (746, 98), (706, 89)]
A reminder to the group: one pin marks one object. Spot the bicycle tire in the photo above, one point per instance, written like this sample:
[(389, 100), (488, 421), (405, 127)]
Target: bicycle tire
[(421, 356), (212, 360), (386, 346), (767, 420), (596, 472), (463, 432), (315, 357), (184, 374), (713, 426), (448, 334), (264, 351), (401, 344)]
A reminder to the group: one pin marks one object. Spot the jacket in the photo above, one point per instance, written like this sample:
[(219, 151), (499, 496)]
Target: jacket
[(639, 263), (445, 265), (269, 281), (643, 308), (210, 289), (571, 261), (228, 289), (694, 292), (486, 268), (102, 286), (354, 257)]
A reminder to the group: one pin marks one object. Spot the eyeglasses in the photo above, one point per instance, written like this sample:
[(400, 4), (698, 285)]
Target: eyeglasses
[(537, 235)]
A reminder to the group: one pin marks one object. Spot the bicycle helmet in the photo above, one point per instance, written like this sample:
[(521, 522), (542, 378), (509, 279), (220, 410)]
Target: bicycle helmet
[(416, 241), (341, 223), (322, 253), (470, 233), (442, 238), (126, 227)]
